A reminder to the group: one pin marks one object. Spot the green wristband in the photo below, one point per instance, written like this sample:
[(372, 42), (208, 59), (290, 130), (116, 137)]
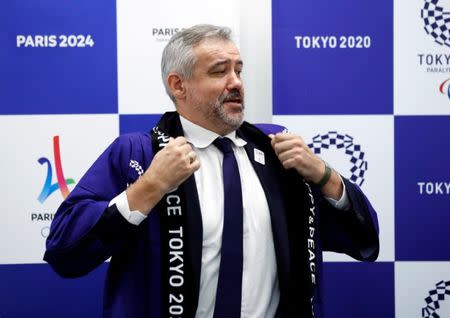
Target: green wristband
[(326, 176)]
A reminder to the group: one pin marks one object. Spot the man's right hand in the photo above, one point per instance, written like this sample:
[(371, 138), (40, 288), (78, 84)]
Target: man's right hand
[(170, 167)]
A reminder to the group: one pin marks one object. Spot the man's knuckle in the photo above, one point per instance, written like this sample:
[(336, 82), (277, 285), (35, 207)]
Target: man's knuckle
[(178, 152)]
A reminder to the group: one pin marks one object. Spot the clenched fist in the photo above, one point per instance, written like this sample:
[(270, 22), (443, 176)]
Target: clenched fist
[(170, 167), (294, 153)]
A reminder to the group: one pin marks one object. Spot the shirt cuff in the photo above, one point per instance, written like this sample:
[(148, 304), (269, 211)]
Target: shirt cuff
[(343, 203), (121, 202)]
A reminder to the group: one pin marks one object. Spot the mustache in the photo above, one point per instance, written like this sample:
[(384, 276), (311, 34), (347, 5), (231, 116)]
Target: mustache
[(232, 95)]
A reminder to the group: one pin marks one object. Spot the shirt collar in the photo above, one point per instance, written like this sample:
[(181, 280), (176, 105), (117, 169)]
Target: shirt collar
[(202, 138)]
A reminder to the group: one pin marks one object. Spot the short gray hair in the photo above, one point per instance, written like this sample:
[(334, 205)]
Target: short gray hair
[(178, 55)]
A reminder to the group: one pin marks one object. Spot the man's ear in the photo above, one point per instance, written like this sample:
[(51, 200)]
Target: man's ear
[(176, 86)]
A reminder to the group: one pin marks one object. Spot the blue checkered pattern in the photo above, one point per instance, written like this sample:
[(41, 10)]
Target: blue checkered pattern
[(340, 141), (436, 296), (436, 21)]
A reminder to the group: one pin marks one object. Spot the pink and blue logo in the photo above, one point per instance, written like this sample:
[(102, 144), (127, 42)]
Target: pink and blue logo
[(61, 183)]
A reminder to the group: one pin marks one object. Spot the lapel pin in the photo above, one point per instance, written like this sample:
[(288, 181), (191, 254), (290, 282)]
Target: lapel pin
[(259, 156)]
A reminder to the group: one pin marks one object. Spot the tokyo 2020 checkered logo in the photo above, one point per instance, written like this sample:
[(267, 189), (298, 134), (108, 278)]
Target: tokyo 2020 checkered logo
[(434, 298), (436, 21), (344, 142)]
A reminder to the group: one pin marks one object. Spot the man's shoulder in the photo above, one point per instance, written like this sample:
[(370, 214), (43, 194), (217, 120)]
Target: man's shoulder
[(269, 128), (130, 141), (133, 137), (132, 146), (259, 132)]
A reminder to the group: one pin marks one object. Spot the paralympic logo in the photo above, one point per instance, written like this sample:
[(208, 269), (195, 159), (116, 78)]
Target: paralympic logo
[(61, 183), (444, 87)]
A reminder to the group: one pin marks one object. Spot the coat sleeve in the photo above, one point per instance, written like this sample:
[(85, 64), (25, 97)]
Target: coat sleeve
[(85, 231), (353, 232)]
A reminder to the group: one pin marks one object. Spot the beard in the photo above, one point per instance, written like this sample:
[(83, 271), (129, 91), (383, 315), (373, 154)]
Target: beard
[(225, 119), (232, 119)]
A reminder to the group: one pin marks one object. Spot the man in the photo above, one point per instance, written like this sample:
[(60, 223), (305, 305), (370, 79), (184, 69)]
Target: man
[(189, 238)]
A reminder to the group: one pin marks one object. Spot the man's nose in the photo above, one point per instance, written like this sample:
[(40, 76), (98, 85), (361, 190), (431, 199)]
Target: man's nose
[(234, 81)]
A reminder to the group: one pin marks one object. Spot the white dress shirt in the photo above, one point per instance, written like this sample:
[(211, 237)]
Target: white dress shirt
[(260, 290)]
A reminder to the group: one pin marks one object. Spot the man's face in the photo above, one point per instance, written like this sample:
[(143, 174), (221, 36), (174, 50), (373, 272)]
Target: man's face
[(215, 93)]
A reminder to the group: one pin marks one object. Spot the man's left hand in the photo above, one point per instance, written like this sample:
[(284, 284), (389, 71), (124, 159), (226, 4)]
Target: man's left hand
[(293, 152)]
